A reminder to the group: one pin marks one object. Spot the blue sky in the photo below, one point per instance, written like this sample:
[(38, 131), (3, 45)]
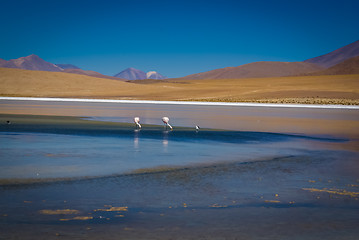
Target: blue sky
[(175, 38)]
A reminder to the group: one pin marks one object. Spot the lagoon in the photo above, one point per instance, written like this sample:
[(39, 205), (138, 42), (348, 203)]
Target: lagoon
[(248, 173)]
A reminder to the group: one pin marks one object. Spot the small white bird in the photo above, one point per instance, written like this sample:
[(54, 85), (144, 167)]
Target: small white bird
[(197, 128), (165, 120), (137, 121)]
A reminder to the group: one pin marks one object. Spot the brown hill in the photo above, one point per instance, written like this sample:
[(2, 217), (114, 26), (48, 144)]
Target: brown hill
[(342, 89), (91, 73), (350, 66), (18, 82), (258, 70), (337, 56)]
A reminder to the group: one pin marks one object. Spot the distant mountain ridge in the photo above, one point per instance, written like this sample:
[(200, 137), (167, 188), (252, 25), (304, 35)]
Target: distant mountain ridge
[(90, 73), (34, 62), (258, 70), (340, 61), (131, 74), (135, 74), (313, 66), (31, 62), (336, 56), (67, 66), (349, 66)]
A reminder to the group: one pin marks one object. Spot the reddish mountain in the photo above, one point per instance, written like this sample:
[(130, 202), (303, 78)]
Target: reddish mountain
[(337, 56), (313, 66), (349, 66), (258, 70), (32, 62)]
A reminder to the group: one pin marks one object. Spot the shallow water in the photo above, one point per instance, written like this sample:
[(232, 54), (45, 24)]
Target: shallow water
[(43, 155), (57, 152), (260, 200), (112, 182)]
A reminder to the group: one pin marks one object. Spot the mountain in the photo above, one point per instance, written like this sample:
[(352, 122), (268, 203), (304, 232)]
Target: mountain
[(154, 75), (337, 56), (258, 70), (3, 62), (349, 66), (131, 74), (313, 66), (32, 62), (91, 73), (67, 66)]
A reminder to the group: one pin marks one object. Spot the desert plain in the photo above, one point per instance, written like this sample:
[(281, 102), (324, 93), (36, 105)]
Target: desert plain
[(325, 89)]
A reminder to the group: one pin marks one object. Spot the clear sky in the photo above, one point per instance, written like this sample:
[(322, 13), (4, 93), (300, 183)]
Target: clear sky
[(175, 38)]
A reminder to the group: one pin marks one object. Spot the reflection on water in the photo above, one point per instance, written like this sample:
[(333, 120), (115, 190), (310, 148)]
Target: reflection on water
[(39, 155), (43, 155), (136, 139), (165, 140)]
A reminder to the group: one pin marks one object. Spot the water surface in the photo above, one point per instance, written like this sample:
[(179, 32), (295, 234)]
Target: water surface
[(72, 178)]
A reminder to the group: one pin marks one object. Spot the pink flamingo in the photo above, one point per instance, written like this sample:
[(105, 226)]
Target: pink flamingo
[(165, 120), (137, 121)]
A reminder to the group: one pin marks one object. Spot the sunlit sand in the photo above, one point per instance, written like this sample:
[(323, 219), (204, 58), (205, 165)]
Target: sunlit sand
[(334, 89)]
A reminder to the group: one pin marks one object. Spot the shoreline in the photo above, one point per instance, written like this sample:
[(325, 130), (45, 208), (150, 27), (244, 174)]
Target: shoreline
[(292, 119), (239, 104)]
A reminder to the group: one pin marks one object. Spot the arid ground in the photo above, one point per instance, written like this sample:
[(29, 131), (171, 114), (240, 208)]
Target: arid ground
[(330, 89)]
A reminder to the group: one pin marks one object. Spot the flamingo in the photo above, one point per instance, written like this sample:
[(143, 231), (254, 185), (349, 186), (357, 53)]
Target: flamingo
[(165, 120), (137, 121)]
